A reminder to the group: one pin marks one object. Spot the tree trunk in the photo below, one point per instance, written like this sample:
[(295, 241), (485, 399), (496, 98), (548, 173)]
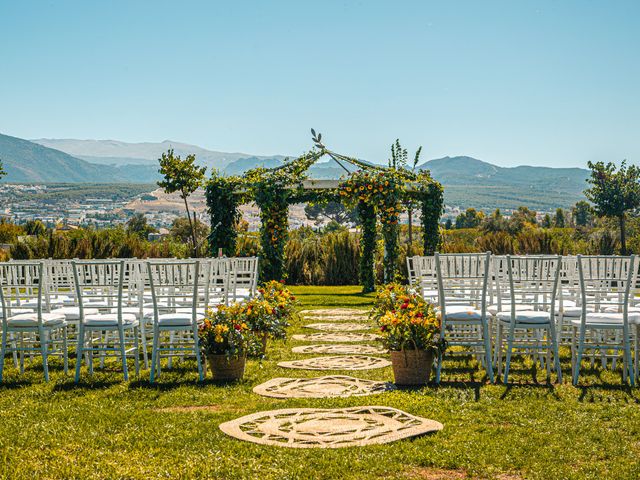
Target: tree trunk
[(191, 225), (623, 237)]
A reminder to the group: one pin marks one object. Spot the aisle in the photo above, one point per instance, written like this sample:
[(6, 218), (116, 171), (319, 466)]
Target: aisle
[(337, 427)]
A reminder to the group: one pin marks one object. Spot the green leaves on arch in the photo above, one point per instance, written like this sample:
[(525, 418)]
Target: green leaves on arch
[(374, 190)]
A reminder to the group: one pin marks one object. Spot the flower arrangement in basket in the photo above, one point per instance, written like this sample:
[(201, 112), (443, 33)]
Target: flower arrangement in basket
[(225, 339), (269, 314), (389, 297), (280, 297), (410, 329)]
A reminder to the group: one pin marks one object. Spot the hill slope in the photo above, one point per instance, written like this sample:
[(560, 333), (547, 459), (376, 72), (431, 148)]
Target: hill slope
[(28, 162), (468, 182), (471, 182), (114, 152)]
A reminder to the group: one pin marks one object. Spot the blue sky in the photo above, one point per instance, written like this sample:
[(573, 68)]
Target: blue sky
[(514, 82)]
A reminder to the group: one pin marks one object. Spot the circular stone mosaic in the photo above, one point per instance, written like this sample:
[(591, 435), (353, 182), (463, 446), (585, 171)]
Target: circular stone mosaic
[(339, 312), (340, 349), (333, 318), (336, 314), (328, 428), (337, 337), (321, 387), (341, 362), (337, 327)]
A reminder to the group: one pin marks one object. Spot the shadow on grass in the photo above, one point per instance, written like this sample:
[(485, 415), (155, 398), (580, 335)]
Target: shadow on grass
[(86, 383), (33, 375), (19, 383), (590, 392), (168, 385), (474, 385), (523, 386)]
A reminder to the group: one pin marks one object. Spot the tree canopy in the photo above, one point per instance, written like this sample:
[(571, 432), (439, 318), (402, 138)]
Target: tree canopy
[(614, 192), (183, 176)]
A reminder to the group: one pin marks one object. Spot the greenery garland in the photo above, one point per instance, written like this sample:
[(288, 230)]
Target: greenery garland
[(383, 190), (431, 197), (274, 230), (373, 190), (222, 204), (273, 190), (367, 218)]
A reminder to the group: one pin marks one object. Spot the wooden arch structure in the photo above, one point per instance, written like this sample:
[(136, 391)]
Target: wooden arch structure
[(377, 192)]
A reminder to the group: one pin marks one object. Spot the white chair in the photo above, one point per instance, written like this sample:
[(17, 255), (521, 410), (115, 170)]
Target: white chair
[(99, 284), (532, 284), (176, 296), (217, 286), (61, 285), (243, 278), (605, 325), (462, 291), (134, 286), (411, 271), (425, 277), (35, 329)]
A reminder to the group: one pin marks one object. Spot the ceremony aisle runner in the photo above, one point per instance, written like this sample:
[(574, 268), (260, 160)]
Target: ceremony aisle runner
[(330, 428)]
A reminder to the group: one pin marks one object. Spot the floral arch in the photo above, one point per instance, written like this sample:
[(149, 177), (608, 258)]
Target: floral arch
[(376, 192)]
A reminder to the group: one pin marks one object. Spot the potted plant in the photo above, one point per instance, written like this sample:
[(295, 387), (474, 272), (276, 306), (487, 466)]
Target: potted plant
[(410, 329), (269, 314), (225, 339)]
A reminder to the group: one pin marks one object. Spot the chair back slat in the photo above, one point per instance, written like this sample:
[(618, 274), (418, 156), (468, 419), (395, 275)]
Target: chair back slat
[(23, 286)]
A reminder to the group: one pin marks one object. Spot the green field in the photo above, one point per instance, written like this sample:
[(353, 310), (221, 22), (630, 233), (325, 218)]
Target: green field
[(105, 428)]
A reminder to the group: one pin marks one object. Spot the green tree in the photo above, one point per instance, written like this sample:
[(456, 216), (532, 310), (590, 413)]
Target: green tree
[(9, 231), (138, 225), (521, 218), (546, 221), (471, 218), (448, 225), (582, 213), (333, 211), (35, 227), (2, 170), (495, 222), (614, 192), (182, 176), (558, 219), (182, 231)]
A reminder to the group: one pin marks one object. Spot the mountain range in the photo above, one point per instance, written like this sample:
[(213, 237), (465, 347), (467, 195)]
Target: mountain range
[(468, 182)]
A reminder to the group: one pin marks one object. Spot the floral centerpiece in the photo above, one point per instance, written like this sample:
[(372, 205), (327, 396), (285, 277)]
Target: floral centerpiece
[(269, 314), (225, 339), (410, 329)]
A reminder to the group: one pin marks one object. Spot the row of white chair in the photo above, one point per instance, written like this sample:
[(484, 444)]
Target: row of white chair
[(533, 304), (115, 307)]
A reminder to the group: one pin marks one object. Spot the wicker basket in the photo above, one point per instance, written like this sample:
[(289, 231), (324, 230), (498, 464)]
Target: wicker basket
[(412, 367), (224, 368), (263, 343)]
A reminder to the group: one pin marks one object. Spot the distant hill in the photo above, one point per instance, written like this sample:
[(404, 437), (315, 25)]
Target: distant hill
[(238, 167), (471, 182), (114, 152), (28, 162), (468, 182)]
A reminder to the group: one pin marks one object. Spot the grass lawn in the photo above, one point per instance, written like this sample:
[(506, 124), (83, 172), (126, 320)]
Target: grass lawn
[(105, 428)]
